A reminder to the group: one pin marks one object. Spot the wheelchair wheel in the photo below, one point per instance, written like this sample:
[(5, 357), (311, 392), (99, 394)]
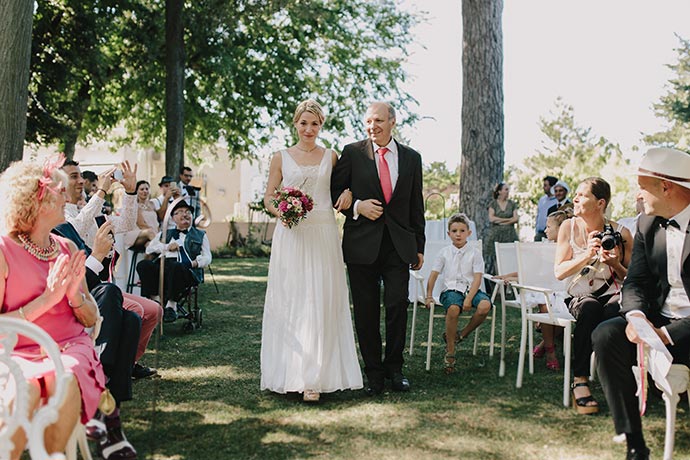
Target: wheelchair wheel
[(189, 327), (198, 318)]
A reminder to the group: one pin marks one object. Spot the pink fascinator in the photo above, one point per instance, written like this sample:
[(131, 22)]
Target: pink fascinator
[(49, 167)]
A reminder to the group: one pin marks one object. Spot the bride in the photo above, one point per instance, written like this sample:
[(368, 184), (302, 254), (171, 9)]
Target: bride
[(307, 343)]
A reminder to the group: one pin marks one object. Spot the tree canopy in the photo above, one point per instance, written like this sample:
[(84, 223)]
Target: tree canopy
[(98, 64), (572, 153)]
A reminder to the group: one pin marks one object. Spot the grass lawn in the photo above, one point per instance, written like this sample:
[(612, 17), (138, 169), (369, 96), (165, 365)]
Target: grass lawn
[(207, 405)]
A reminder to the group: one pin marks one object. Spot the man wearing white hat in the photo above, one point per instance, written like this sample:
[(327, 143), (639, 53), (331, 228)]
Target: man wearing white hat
[(560, 191), (657, 288)]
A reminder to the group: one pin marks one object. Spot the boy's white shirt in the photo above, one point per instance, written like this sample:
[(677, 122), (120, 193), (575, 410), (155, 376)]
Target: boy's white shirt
[(458, 266)]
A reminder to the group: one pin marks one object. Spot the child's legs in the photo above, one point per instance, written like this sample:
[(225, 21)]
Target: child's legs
[(483, 305), (451, 326)]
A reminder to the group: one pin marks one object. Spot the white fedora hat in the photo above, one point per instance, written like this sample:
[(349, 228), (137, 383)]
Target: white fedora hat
[(666, 164)]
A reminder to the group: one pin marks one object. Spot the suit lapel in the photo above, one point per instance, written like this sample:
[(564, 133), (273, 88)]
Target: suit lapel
[(403, 166), (659, 254), (371, 170)]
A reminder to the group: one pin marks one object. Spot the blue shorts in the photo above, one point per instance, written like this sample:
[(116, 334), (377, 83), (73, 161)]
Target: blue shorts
[(451, 297)]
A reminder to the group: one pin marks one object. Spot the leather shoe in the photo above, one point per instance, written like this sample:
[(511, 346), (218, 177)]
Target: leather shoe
[(169, 315), (143, 372), (399, 382), (637, 454), (374, 388)]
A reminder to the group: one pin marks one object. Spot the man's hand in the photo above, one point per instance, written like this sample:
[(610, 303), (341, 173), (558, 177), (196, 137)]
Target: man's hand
[(631, 333), (466, 305), (371, 209), (173, 246), (103, 242), (105, 179), (129, 177), (420, 262)]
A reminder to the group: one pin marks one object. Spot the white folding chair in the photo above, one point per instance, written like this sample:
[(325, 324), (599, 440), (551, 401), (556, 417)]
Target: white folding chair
[(506, 263), (13, 386), (678, 378), (535, 274), (419, 294)]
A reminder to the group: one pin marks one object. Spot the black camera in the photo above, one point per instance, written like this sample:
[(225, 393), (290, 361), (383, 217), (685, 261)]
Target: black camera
[(609, 238)]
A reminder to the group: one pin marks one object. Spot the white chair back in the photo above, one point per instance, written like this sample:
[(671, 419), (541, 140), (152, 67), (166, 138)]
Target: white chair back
[(535, 265), (506, 258), (14, 387)]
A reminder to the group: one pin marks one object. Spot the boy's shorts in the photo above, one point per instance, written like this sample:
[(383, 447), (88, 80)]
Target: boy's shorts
[(451, 297)]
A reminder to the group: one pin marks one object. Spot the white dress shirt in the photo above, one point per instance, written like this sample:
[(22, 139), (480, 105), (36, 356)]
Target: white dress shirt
[(458, 266), (156, 247), (677, 304), (391, 157)]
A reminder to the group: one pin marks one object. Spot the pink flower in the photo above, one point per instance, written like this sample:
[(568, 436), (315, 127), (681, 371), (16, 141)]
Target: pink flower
[(283, 206)]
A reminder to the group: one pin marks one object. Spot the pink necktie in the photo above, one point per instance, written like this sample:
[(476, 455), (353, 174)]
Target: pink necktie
[(385, 175)]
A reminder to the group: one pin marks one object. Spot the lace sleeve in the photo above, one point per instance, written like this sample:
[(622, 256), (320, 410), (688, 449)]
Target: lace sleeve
[(127, 220)]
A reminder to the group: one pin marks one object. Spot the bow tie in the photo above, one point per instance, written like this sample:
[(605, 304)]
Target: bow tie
[(670, 223), (181, 231)]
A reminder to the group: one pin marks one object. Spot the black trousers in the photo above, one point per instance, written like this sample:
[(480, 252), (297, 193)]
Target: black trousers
[(593, 310), (365, 285), (178, 278), (615, 356), (119, 333)]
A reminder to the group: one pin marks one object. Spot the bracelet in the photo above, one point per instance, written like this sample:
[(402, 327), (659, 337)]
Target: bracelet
[(21, 313), (83, 299), (105, 192)]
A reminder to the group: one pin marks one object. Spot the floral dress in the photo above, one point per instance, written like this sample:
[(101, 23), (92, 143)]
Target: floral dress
[(499, 233)]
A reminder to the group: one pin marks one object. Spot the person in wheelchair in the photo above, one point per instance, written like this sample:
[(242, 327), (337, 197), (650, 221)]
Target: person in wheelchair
[(186, 251)]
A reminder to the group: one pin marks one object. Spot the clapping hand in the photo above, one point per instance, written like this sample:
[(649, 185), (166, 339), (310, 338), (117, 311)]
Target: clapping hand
[(65, 276)]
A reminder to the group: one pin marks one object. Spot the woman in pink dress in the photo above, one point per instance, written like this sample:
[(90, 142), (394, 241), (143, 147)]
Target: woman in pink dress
[(42, 281)]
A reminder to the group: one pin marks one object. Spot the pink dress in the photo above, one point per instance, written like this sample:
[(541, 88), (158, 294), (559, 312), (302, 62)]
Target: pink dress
[(26, 280)]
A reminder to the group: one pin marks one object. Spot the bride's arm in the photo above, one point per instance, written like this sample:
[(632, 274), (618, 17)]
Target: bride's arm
[(275, 177)]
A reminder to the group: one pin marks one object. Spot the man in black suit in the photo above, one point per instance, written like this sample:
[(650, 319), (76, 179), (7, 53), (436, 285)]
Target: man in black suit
[(383, 237), (657, 288)]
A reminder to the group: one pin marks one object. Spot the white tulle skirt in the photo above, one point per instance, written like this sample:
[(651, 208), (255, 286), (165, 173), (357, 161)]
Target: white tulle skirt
[(307, 340)]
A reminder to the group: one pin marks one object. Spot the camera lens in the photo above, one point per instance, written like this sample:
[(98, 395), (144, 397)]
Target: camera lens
[(608, 242)]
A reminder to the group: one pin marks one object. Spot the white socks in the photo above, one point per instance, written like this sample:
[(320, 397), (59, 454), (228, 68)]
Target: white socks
[(171, 304)]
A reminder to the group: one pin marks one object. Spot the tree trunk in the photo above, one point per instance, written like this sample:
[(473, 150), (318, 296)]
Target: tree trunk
[(174, 87), (481, 166), (15, 55)]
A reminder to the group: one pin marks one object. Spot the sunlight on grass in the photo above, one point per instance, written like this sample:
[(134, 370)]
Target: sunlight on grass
[(377, 418), (284, 438), (240, 278), (212, 412), (184, 374)]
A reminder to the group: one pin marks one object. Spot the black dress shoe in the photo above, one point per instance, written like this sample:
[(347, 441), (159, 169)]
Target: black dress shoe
[(399, 382), (637, 454), (374, 388), (169, 315), (142, 372)]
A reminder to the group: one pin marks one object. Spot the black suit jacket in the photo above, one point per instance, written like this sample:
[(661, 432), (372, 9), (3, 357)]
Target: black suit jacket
[(646, 286), (403, 215), (557, 206)]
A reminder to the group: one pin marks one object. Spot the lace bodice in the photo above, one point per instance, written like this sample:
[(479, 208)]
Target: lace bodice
[(315, 180)]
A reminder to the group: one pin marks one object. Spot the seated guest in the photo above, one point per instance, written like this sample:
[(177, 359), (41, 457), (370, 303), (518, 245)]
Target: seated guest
[(186, 251), (168, 193), (594, 253), (42, 281), (83, 219), (147, 219), (462, 267), (90, 183), (657, 289)]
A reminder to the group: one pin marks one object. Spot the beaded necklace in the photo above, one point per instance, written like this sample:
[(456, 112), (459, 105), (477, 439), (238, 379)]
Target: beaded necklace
[(42, 254)]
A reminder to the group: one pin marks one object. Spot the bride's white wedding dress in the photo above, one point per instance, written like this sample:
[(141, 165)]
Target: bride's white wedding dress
[(307, 340)]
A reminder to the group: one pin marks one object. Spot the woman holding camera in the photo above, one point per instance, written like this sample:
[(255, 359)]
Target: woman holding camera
[(594, 253)]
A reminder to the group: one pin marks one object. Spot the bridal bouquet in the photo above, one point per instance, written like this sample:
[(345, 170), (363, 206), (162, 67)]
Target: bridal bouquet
[(293, 205)]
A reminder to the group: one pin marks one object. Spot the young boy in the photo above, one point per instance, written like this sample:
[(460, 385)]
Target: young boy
[(462, 267)]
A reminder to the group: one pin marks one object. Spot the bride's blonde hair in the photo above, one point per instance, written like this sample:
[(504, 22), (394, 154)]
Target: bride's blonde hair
[(310, 106)]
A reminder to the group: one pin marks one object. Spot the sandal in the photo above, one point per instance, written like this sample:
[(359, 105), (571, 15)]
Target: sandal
[(458, 339), (449, 363), (116, 447), (552, 364), (95, 428), (311, 396), (582, 405), (539, 351)]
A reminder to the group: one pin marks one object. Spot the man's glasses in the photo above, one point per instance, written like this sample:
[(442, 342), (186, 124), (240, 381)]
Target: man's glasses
[(182, 213)]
